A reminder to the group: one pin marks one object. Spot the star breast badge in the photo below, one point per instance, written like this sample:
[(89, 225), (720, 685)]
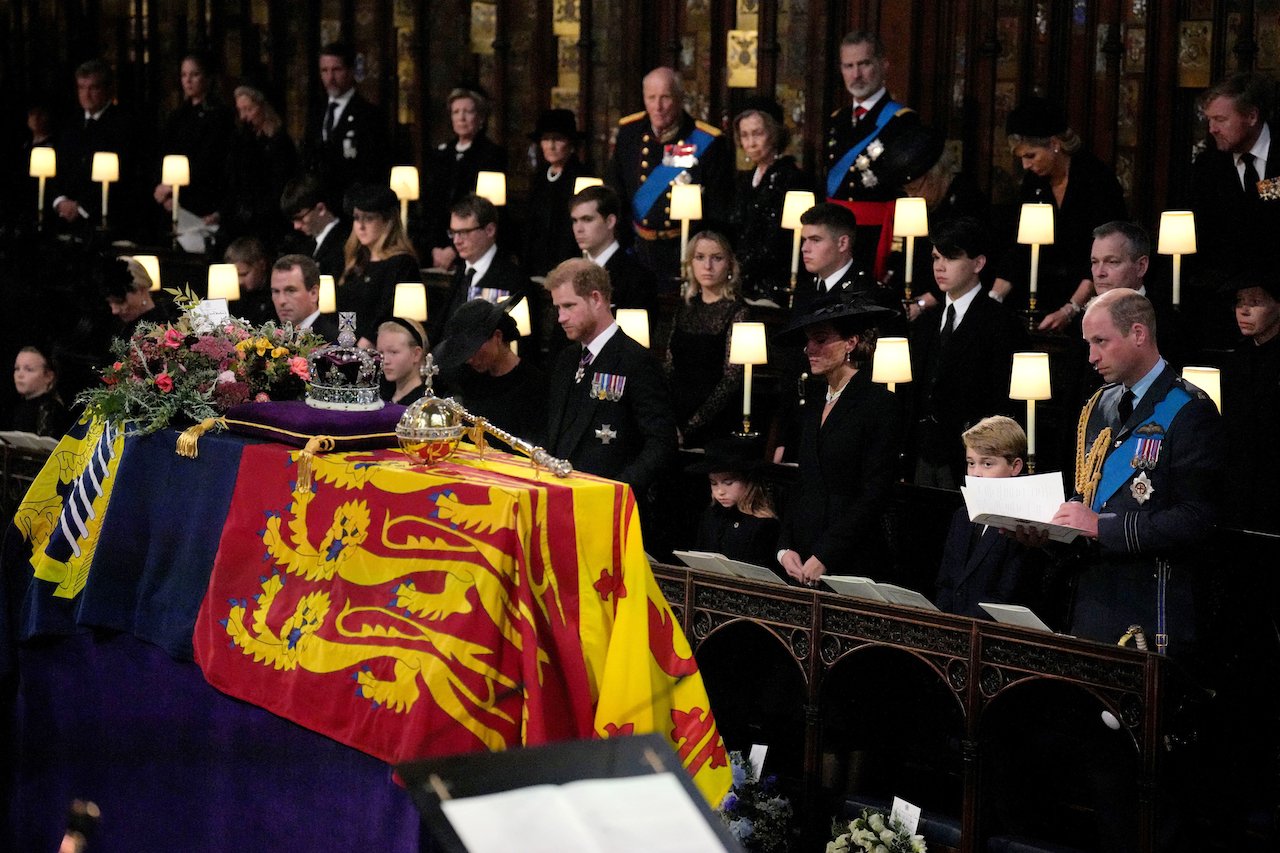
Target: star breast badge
[(1141, 488)]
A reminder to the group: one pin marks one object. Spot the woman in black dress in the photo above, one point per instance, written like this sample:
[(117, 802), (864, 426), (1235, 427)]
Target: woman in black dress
[(378, 257), (201, 129), (549, 230), (740, 522), (704, 383), (764, 248), (261, 161), (39, 409), (401, 344)]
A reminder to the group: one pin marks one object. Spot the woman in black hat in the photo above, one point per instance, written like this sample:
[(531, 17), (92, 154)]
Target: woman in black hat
[(452, 168), (549, 231), (1084, 194), (764, 249), (740, 522), (848, 447), (378, 256)]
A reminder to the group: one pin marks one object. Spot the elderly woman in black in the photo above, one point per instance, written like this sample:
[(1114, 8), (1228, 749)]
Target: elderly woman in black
[(848, 447)]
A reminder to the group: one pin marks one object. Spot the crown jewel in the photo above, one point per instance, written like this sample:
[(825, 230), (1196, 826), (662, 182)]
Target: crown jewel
[(343, 376)]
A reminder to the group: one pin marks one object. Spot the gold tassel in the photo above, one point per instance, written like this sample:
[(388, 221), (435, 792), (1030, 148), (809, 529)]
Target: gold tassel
[(306, 457), (188, 441), (1089, 461)]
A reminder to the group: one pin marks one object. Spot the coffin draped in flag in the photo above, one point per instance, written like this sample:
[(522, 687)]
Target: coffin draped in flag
[(411, 612)]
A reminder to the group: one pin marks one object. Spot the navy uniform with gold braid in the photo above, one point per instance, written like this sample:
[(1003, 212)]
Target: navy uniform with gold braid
[(639, 152), (1155, 482)]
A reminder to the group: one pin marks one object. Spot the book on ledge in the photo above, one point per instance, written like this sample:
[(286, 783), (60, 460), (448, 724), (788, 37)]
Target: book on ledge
[(710, 561), (886, 593), (1010, 502), (618, 794), (1014, 614)]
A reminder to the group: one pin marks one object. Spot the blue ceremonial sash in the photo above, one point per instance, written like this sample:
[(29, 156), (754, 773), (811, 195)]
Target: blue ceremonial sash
[(836, 176), (1117, 470), (660, 178)]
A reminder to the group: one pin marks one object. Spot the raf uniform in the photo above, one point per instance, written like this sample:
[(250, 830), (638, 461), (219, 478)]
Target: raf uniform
[(1154, 482), (616, 420), (696, 153), (854, 183)]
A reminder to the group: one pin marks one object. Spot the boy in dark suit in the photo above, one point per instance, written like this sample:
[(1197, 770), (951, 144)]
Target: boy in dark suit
[(963, 351), (978, 564)]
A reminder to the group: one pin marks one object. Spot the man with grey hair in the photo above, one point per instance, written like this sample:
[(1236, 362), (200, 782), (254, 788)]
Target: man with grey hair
[(98, 125), (660, 146)]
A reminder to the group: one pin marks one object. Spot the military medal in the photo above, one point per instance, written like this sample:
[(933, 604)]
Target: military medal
[(608, 386), (680, 155), (1141, 488), (1146, 452), (606, 434)]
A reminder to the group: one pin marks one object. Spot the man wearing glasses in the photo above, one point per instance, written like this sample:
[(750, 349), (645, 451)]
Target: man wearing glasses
[(304, 203), (484, 272)]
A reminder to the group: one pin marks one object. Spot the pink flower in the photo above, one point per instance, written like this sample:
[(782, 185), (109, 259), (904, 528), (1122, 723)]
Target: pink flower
[(173, 338), (164, 382), (298, 367), (262, 397), (226, 376)]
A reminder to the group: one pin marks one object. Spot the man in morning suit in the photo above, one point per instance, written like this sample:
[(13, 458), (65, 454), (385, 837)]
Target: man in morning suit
[(963, 353), (485, 272), (347, 139), (1148, 483), (856, 135), (609, 409), (1233, 216), (658, 147), (313, 215), (594, 215)]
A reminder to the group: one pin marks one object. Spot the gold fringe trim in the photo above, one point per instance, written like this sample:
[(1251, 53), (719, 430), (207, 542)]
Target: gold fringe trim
[(189, 440), (307, 455), (1089, 461)]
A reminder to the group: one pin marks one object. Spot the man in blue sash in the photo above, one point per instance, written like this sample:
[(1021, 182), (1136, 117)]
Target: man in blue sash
[(1148, 483), (856, 136), (660, 146)]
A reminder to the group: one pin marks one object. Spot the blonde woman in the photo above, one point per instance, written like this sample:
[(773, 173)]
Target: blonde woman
[(262, 158), (704, 383), (378, 255), (402, 344)]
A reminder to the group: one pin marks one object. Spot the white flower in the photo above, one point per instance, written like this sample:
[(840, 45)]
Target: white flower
[(887, 836), (226, 376), (917, 844), (880, 848)]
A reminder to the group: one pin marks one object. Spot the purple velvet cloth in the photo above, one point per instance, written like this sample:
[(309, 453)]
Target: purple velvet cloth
[(176, 765), (275, 422)]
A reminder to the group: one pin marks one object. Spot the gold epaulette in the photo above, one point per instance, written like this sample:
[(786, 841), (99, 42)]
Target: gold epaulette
[(1089, 461), (903, 112), (708, 128), (634, 117)]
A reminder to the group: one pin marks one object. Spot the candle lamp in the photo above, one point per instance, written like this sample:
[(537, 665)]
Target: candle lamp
[(224, 282), (151, 264), (1177, 238), (635, 322), (410, 301), (747, 346), (493, 186), (891, 363), (328, 295), (44, 165), (105, 170), (176, 172), (520, 314), (910, 220), (1208, 380), (1035, 227), (1029, 381), (404, 183), (794, 205), (686, 205), (580, 184)]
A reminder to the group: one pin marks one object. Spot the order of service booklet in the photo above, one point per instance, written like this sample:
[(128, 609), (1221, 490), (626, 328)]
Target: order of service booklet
[(1010, 502)]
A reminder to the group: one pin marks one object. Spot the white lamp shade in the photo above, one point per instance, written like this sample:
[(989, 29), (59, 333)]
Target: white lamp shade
[(151, 264), (106, 167), (44, 162), (493, 186), (224, 282), (1208, 380), (910, 218), (411, 301), (1035, 224), (1177, 233), (404, 182), (520, 313), (176, 171), (686, 201), (635, 322), (892, 361), (328, 295), (747, 344), (794, 205), (580, 184), (1030, 377)]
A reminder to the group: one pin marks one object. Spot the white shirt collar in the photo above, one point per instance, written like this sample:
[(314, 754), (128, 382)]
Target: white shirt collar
[(1261, 150), (601, 339), (342, 101), (962, 305), (1144, 384), (482, 264), (605, 254), (870, 103), (88, 115), (325, 233), (829, 283), (310, 320)]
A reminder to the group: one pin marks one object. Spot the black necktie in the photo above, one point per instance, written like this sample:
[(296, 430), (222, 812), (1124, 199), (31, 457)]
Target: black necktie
[(1250, 176), (1125, 409), (468, 280), (328, 119), (949, 325)]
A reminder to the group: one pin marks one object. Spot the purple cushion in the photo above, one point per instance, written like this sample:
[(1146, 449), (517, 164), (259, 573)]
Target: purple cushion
[(294, 423)]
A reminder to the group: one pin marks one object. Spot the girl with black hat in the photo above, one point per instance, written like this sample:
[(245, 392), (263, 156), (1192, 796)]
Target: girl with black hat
[(740, 522)]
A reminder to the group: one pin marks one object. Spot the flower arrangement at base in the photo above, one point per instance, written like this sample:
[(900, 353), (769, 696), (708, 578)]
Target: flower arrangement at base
[(874, 833), (197, 370), (755, 813)]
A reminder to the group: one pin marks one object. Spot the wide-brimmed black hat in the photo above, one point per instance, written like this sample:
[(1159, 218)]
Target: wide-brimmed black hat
[(1036, 118), (466, 331), (742, 454), (559, 122), (1250, 272), (857, 310), (907, 156), (371, 198)]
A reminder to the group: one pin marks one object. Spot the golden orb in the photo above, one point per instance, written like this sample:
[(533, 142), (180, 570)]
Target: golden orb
[(429, 431)]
